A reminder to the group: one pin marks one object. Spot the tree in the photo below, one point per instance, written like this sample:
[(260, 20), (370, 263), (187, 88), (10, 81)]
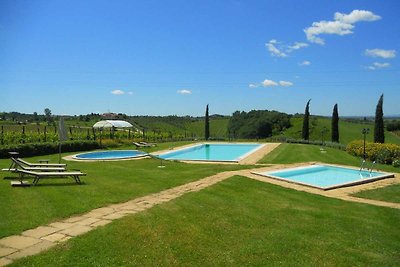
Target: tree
[(207, 125), (379, 132), (47, 115), (335, 124), (306, 128), (35, 116)]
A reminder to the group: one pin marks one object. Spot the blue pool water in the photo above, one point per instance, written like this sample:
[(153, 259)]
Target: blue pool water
[(213, 152), (111, 154), (325, 177)]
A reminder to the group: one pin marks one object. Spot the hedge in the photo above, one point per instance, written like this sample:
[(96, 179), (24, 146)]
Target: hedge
[(37, 149), (382, 153)]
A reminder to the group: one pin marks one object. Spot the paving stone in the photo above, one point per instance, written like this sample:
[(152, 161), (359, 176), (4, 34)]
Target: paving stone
[(40, 231), (32, 250), (4, 262), (76, 230), (88, 221), (74, 219), (104, 211), (61, 225), (65, 238), (6, 251), (18, 242), (101, 223), (56, 237), (114, 216)]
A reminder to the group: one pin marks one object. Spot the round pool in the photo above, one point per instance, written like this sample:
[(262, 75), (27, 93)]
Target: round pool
[(110, 155)]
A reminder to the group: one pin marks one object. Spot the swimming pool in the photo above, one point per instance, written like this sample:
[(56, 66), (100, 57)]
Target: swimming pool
[(213, 152), (325, 177), (110, 155)]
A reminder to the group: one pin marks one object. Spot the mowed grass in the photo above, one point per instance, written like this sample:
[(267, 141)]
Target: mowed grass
[(389, 193), (105, 183), (296, 153), (348, 131), (239, 222)]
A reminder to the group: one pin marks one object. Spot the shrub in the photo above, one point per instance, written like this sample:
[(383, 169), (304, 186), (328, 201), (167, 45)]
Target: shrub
[(37, 149), (382, 153), (396, 163)]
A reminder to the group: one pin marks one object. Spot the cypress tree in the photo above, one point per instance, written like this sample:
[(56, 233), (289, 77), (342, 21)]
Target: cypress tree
[(207, 125), (379, 132), (306, 128), (335, 124)]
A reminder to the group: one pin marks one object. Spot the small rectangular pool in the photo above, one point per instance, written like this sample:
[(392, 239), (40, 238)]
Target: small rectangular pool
[(213, 152), (325, 177)]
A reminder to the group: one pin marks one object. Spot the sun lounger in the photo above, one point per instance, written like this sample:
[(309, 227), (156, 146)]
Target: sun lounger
[(24, 162), (39, 175), (148, 144), (16, 164), (140, 145)]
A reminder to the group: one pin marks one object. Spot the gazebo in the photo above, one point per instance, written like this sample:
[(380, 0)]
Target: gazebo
[(112, 124)]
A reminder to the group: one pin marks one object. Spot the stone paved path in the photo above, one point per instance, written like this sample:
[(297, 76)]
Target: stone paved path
[(36, 240)]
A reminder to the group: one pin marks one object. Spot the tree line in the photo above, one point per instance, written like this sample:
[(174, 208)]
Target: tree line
[(379, 129), (257, 123)]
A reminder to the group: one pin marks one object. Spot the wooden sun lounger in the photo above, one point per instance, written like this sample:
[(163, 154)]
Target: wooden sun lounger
[(29, 164), (148, 144), (16, 164), (39, 175), (140, 145)]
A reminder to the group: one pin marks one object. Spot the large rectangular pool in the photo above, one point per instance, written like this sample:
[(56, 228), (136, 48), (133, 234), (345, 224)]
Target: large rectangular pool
[(325, 177), (213, 152)]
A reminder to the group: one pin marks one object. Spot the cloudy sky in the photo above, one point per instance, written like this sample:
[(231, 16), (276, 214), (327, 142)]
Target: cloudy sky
[(174, 57)]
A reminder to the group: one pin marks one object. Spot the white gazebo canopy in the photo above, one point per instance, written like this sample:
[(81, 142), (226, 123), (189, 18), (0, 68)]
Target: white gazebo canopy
[(112, 123)]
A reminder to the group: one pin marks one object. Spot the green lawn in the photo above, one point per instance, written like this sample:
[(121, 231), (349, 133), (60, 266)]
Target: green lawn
[(106, 182), (348, 131), (296, 153), (239, 222), (389, 193)]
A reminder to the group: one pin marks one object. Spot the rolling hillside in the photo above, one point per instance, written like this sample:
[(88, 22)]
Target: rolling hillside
[(348, 131)]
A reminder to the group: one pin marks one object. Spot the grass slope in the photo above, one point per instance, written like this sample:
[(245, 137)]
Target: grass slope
[(239, 222), (296, 153), (389, 193), (106, 182), (348, 131), (218, 127)]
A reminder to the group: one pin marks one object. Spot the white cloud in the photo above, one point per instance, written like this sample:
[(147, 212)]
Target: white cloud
[(268, 83), (380, 53), (285, 83), (253, 85), (356, 16), (278, 49), (274, 51), (296, 46), (184, 92), (117, 92), (377, 65), (305, 63), (342, 24)]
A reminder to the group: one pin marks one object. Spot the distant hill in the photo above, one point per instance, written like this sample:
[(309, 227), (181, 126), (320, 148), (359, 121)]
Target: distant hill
[(349, 129), (349, 126)]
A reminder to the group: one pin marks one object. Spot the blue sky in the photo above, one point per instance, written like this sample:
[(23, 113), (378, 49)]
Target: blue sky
[(174, 57)]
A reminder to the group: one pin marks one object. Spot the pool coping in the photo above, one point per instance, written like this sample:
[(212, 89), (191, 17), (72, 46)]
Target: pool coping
[(336, 186), (73, 157), (235, 161)]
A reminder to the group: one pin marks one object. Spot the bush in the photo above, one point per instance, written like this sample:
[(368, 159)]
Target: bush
[(396, 163), (382, 153), (319, 143), (37, 149)]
